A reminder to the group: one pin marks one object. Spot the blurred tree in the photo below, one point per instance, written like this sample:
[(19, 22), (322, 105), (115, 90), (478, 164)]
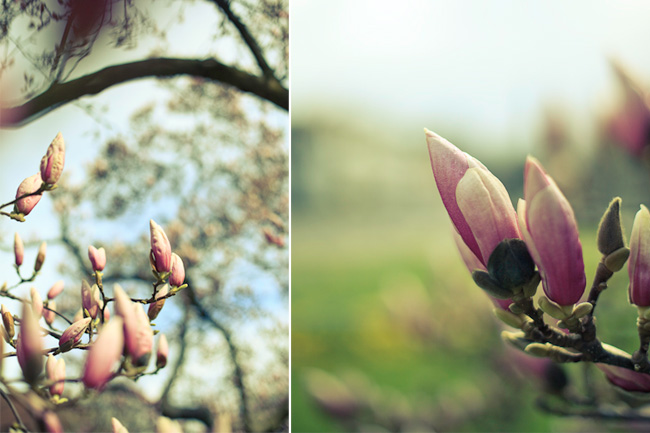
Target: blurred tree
[(212, 163)]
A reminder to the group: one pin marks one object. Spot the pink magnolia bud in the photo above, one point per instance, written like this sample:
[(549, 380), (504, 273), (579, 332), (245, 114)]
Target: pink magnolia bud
[(155, 307), (27, 186), (177, 277), (104, 354), (48, 314), (138, 334), (162, 352), (551, 234), (73, 334), (622, 377), (52, 423), (161, 250), (166, 425), (29, 347), (55, 369), (19, 249), (142, 341), (55, 290), (639, 264), (53, 161), (90, 298), (40, 257), (97, 258), (117, 426), (477, 202), (37, 303)]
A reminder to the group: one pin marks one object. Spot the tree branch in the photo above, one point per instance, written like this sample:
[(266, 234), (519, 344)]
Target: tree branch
[(250, 41), (61, 93)]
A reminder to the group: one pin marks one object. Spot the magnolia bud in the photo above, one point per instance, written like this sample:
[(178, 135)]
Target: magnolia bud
[(29, 345), (55, 290), (48, 314), (37, 303), (73, 334), (510, 264), (610, 231), (160, 248), (162, 352), (90, 298), (8, 321), (104, 354), (53, 161), (55, 370), (97, 258), (40, 257), (52, 423), (19, 249), (155, 307), (177, 277), (117, 426), (142, 342), (28, 186)]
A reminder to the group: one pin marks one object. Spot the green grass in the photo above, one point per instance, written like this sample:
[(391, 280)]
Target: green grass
[(341, 322)]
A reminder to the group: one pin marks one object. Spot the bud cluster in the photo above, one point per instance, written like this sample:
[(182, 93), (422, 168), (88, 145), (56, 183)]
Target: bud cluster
[(510, 252)]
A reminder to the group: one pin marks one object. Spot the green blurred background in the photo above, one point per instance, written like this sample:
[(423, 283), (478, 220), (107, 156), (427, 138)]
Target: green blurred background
[(384, 313)]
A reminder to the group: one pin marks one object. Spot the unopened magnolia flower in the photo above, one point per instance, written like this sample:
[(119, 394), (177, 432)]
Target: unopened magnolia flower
[(162, 352), (19, 249), (37, 302), (117, 426), (40, 257), (624, 378), (477, 202), (551, 234), (142, 341), (55, 369), (138, 335), (8, 322), (104, 354), (161, 250), (639, 264), (97, 258), (52, 423), (155, 307), (48, 314), (53, 161), (55, 290), (73, 334), (28, 186), (29, 346), (166, 425), (177, 277), (90, 298)]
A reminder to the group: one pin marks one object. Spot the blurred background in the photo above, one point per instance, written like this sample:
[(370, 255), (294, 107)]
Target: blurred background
[(388, 331), (190, 128)]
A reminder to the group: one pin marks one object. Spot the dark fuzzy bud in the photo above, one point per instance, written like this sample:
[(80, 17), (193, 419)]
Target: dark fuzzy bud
[(487, 283), (610, 231), (510, 264)]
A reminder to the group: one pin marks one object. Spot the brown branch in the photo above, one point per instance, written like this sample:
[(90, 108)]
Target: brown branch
[(62, 93), (250, 41)]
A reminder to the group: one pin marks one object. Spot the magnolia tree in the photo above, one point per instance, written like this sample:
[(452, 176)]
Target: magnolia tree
[(118, 338), (509, 253)]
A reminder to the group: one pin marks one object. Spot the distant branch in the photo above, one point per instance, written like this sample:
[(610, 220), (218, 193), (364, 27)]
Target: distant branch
[(61, 93), (250, 41)]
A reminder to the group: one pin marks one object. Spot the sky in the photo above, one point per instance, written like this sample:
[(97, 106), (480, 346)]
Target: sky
[(482, 66)]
